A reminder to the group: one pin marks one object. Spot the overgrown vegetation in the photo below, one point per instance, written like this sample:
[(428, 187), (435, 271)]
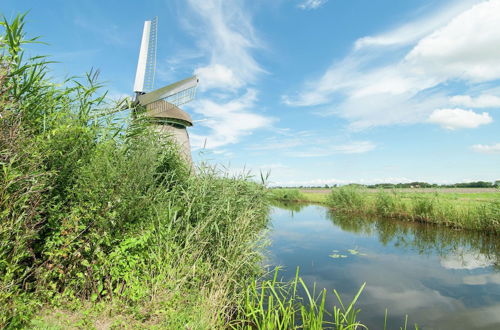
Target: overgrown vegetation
[(94, 212), (286, 195), (103, 224), (431, 208), (275, 305)]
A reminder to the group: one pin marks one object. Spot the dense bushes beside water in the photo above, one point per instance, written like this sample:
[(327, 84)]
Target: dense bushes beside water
[(286, 195), (91, 211), (432, 208)]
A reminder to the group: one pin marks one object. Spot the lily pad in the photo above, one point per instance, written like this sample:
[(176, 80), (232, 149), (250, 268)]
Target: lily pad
[(337, 256)]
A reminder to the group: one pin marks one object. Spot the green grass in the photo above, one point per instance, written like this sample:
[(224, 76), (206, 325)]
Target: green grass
[(271, 304), (286, 195), (470, 211), (478, 211)]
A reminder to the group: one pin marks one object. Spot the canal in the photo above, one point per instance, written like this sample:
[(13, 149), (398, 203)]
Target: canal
[(441, 278)]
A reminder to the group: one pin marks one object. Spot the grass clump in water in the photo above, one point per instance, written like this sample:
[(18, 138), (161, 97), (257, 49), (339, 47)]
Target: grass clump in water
[(271, 304)]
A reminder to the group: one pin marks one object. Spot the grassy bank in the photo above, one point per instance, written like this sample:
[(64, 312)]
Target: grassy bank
[(101, 221), (469, 210), (297, 195)]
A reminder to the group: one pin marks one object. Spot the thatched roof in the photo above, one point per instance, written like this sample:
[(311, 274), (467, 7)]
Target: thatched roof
[(164, 109)]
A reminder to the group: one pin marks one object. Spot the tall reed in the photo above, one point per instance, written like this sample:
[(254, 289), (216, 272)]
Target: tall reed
[(429, 208)]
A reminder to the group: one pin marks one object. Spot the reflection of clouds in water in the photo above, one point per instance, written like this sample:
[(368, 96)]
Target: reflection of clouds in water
[(412, 299), (482, 279), (466, 260), (484, 318)]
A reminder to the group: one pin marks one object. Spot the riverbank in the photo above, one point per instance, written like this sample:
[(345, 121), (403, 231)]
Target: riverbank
[(476, 209), (103, 224)]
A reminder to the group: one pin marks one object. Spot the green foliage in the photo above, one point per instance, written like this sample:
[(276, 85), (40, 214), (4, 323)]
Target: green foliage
[(286, 195), (271, 304), (446, 209), (347, 198), (95, 212)]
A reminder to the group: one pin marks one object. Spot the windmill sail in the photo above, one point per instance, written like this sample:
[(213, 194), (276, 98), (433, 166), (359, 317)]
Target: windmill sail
[(145, 74), (178, 93)]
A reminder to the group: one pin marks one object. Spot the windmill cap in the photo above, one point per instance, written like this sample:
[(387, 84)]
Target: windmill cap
[(163, 109)]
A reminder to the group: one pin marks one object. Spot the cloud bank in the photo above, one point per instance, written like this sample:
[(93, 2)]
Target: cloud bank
[(459, 44)]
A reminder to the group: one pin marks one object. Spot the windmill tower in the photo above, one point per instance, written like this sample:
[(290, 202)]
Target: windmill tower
[(162, 105)]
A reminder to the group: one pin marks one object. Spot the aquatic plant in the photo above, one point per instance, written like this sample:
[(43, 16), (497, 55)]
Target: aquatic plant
[(271, 304)]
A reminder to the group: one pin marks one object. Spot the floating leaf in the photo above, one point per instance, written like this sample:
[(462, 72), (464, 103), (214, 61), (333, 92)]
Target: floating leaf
[(336, 256)]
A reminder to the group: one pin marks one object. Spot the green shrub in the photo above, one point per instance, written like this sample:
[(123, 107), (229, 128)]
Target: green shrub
[(95, 212), (286, 195), (347, 199)]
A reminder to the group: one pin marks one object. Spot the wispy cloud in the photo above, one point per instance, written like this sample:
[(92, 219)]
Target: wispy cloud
[(228, 121), (111, 33), (481, 101), (227, 35), (227, 38), (487, 149), (311, 4), (357, 147), (460, 46)]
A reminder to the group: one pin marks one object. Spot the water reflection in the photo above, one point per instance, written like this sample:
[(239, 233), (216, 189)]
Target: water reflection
[(441, 278), (460, 249)]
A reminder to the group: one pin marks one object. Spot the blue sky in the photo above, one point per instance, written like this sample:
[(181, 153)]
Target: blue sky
[(314, 91)]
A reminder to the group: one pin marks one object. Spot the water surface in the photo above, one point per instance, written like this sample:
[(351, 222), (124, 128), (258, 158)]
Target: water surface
[(441, 278)]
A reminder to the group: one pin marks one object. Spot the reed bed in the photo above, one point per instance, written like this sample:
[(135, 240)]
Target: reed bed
[(271, 304), (101, 219), (286, 195), (435, 208)]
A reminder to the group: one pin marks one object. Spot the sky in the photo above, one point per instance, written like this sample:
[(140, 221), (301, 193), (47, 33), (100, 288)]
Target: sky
[(312, 92)]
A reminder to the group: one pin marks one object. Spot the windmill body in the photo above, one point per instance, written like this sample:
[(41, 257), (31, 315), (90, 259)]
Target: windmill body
[(162, 105)]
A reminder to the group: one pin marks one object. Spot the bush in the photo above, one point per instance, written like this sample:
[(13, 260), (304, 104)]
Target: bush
[(287, 195), (91, 211), (347, 199)]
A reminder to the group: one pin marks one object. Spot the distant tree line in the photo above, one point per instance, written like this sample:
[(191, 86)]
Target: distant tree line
[(416, 184)]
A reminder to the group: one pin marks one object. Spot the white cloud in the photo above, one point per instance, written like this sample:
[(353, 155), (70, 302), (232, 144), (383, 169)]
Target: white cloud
[(217, 76), (227, 38), (459, 118), (227, 35), (482, 279), (487, 149), (465, 48), (228, 121), (357, 147), (462, 45), (409, 33), (311, 4), (481, 101)]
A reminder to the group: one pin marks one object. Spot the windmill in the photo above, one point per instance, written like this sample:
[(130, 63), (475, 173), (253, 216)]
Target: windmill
[(162, 105)]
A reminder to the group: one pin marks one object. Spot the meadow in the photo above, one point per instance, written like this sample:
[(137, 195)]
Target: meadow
[(468, 208)]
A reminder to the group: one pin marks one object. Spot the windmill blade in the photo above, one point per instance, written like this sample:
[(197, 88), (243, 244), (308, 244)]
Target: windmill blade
[(177, 93), (145, 74), (122, 105)]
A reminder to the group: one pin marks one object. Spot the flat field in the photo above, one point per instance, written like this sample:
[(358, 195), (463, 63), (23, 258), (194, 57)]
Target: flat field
[(318, 195)]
